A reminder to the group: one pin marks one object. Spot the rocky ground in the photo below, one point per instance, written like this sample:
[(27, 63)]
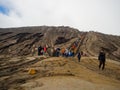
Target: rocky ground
[(58, 73)]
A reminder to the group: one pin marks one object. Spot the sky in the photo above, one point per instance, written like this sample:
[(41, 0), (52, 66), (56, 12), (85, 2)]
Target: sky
[(85, 15)]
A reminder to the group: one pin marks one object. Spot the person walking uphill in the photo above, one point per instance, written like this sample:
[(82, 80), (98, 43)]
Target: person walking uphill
[(79, 56), (102, 59)]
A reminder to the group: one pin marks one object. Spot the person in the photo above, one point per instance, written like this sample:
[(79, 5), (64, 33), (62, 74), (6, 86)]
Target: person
[(57, 52), (79, 56), (63, 52), (33, 50), (102, 59), (66, 52), (39, 50), (45, 50)]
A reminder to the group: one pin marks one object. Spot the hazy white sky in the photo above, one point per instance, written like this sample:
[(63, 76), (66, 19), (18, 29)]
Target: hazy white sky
[(85, 15)]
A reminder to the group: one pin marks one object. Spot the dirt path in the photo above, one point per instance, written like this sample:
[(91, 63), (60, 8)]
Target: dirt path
[(62, 74), (65, 83), (112, 68)]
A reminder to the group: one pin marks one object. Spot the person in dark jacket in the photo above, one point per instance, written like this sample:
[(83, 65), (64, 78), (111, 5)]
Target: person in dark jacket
[(39, 50), (79, 56), (102, 59)]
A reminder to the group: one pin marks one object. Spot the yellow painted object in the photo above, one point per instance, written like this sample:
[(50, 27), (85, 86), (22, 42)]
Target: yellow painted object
[(32, 71)]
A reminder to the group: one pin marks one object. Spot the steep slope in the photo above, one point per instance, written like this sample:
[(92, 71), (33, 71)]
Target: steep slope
[(93, 42), (22, 41)]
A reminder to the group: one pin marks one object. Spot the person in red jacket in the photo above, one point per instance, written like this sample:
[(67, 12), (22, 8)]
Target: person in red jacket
[(45, 50)]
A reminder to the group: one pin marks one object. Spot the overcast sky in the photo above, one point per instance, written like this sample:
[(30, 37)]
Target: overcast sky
[(85, 15)]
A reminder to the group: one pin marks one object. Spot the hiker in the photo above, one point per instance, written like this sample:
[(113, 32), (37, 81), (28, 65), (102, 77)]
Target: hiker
[(72, 53), (58, 52), (79, 56), (101, 59), (54, 52), (51, 51), (66, 52), (45, 50), (63, 52), (33, 50), (73, 47), (40, 52), (69, 53)]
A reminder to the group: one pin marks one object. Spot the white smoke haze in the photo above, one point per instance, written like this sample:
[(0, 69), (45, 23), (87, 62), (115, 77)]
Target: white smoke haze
[(85, 15)]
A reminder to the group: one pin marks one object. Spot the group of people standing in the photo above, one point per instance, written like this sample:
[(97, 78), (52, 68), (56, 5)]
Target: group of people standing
[(55, 52), (68, 53), (42, 50)]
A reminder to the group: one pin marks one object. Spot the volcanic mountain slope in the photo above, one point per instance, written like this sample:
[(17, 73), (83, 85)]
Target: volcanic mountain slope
[(93, 42), (21, 41)]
